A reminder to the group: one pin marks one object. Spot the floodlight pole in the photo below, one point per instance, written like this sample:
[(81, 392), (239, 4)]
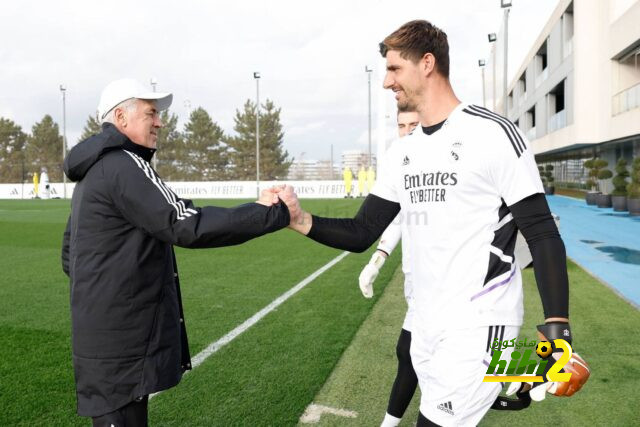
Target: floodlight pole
[(481, 64), (505, 5), (256, 76), (368, 71), (331, 162), (63, 90), (492, 39), (153, 81)]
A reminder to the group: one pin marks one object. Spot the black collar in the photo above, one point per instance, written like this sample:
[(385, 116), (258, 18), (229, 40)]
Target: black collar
[(127, 144), (434, 128)]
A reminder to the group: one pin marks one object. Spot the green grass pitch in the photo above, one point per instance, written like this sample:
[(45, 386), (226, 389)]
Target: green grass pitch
[(312, 348), (605, 332), (266, 376)]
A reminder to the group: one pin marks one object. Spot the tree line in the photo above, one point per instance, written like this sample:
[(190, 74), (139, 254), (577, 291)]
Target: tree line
[(201, 151)]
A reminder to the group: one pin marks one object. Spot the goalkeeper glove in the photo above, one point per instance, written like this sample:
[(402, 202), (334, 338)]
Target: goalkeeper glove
[(576, 366), (370, 272)]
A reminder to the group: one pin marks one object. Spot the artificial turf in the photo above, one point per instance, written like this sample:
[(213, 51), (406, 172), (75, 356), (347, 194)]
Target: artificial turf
[(605, 329), (266, 376)]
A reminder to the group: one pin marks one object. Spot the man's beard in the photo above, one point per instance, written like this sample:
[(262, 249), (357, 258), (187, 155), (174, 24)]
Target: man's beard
[(407, 104)]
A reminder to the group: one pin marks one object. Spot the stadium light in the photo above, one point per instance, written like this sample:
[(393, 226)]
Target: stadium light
[(256, 76), (63, 90), (492, 38), (505, 4), (153, 81), (368, 71), (481, 64)]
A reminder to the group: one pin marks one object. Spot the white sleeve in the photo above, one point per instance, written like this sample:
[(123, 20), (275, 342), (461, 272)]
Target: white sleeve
[(513, 168), (391, 236), (384, 186)]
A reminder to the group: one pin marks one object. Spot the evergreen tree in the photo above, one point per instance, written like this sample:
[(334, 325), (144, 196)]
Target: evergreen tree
[(171, 149), (206, 154), (13, 167), (44, 148), (92, 127), (274, 160)]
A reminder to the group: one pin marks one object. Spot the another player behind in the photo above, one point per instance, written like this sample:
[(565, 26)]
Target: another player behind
[(406, 381), (347, 176), (473, 176)]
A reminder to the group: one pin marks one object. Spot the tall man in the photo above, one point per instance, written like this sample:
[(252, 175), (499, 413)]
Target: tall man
[(466, 182), (406, 381), (128, 329)]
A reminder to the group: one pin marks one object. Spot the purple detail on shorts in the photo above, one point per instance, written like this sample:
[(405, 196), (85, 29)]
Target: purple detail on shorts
[(495, 285)]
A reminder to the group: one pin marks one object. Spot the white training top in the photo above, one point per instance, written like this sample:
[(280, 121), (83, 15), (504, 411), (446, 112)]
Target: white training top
[(454, 187)]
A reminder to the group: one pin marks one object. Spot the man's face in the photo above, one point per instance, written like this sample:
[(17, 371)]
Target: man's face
[(404, 79), (141, 125), (407, 122)]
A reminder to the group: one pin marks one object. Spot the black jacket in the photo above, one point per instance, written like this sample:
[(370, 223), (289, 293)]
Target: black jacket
[(128, 332)]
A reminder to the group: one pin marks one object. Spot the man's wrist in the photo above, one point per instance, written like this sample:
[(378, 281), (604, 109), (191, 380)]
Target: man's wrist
[(384, 253), (556, 319), (378, 258), (302, 224)]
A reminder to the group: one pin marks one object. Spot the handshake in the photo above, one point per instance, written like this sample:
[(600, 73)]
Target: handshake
[(300, 220)]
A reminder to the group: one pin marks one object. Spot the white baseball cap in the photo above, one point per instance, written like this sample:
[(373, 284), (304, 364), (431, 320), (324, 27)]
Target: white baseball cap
[(120, 90)]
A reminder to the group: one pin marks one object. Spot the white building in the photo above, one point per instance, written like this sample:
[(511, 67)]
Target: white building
[(310, 170), (577, 93), (353, 159)]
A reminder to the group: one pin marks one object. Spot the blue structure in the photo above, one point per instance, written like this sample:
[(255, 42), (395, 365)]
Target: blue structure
[(603, 242)]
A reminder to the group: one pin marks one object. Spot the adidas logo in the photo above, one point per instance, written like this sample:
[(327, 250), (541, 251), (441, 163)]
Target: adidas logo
[(446, 407), (405, 162), (566, 333)]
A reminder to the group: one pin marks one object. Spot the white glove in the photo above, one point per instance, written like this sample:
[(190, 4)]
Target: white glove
[(370, 272)]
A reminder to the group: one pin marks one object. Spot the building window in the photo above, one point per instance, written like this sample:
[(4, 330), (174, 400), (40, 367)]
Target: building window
[(522, 86), (541, 63), (567, 31), (627, 96), (556, 108), (531, 119)]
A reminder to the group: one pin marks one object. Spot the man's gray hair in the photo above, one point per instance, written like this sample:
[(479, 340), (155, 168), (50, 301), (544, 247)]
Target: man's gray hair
[(130, 104)]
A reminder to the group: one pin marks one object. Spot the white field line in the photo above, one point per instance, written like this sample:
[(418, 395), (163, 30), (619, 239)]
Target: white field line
[(314, 412), (217, 345)]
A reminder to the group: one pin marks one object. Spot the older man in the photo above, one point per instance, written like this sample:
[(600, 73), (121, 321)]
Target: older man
[(128, 331)]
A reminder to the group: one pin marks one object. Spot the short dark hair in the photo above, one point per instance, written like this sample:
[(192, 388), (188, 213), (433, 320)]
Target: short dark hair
[(416, 38)]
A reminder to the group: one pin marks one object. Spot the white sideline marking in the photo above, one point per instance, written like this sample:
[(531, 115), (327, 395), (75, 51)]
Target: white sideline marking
[(314, 412), (217, 345)]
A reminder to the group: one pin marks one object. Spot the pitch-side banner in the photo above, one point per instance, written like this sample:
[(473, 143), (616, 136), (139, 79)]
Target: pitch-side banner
[(195, 190)]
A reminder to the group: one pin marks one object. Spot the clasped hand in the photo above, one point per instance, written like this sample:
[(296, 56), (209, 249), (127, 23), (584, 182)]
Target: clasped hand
[(284, 193)]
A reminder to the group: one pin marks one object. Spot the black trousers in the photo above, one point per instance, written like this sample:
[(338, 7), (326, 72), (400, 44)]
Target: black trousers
[(134, 414)]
